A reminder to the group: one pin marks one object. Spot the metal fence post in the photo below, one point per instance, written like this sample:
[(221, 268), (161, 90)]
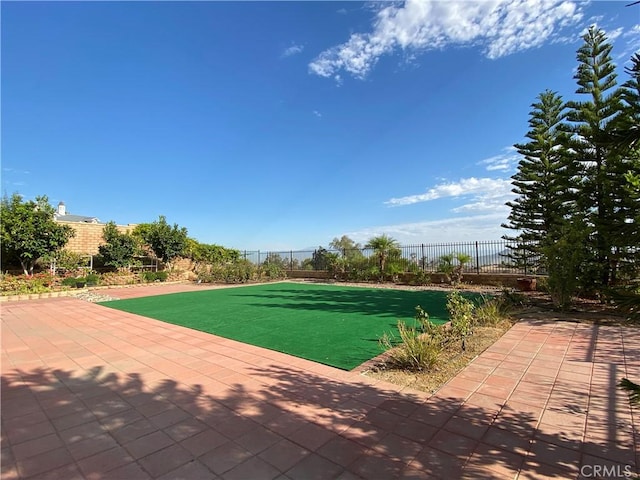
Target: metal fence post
[(477, 260)]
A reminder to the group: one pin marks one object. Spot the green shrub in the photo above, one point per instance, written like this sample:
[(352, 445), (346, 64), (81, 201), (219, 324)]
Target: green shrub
[(452, 265), (415, 351), (240, 271), (419, 345), (461, 315), (150, 277), (92, 279), (64, 261), (511, 298), (272, 271), (24, 284), (491, 312), (69, 281), (421, 278)]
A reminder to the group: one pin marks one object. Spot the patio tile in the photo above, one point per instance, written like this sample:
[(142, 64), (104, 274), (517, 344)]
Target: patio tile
[(258, 439), (491, 462), (556, 456), (36, 446), (314, 467), (507, 440), (534, 470), (435, 464), (253, 468), (311, 436), (104, 461), (166, 460), (371, 465), (341, 451), (225, 457), (91, 446), (143, 446), (364, 433), (414, 430), (526, 404), (469, 427), (398, 448), (132, 471), (67, 472), (235, 426), (453, 444), (44, 462), (204, 442), (185, 429), (284, 454), (404, 408), (193, 470)]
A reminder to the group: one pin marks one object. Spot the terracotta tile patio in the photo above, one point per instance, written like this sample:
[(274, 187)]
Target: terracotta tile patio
[(90, 392)]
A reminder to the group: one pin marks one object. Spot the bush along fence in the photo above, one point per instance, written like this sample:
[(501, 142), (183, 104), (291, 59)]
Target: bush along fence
[(481, 257)]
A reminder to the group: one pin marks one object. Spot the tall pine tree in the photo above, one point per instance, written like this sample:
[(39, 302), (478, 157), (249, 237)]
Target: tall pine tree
[(626, 236), (593, 120), (542, 182)]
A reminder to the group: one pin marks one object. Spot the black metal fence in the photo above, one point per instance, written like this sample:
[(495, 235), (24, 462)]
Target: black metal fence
[(499, 256)]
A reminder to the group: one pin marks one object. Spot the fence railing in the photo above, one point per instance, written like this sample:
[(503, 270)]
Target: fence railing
[(499, 256)]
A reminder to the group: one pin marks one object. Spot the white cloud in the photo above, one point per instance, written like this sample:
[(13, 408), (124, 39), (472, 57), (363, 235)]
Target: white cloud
[(499, 27), (488, 191), (629, 43), (292, 50), (317, 114), (613, 34), (505, 161), (459, 229), (15, 170)]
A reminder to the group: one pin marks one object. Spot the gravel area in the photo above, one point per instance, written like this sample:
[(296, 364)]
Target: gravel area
[(431, 286), (93, 297)]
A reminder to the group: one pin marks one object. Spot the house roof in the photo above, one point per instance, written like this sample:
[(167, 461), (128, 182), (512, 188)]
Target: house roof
[(76, 218)]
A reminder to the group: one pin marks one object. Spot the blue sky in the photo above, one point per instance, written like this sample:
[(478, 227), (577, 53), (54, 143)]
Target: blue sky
[(281, 125)]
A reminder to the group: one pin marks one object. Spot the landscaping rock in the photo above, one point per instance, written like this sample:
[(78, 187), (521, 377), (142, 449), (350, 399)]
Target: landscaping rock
[(93, 297)]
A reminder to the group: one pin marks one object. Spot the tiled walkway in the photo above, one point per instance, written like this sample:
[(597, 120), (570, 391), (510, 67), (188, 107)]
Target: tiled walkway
[(90, 392)]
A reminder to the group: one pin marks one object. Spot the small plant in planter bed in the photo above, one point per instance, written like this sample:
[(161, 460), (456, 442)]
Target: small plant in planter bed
[(155, 276), (69, 282), (80, 282)]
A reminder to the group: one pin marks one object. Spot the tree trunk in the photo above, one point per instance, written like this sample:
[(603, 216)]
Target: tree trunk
[(27, 267)]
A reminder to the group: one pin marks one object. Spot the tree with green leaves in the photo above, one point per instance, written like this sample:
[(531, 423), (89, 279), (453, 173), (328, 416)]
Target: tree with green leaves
[(384, 248), (347, 247), (626, 132), (320, 259), (542, 183), (119, 248), (601, 165), (209, 254), (28, 230), (627, 141), (167, 242), (452, 265)]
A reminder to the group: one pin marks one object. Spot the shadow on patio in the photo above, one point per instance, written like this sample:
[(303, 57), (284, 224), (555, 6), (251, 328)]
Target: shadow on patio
[(102, 424)]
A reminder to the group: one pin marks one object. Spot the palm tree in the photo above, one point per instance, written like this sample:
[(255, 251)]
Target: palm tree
[(383, 247)]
